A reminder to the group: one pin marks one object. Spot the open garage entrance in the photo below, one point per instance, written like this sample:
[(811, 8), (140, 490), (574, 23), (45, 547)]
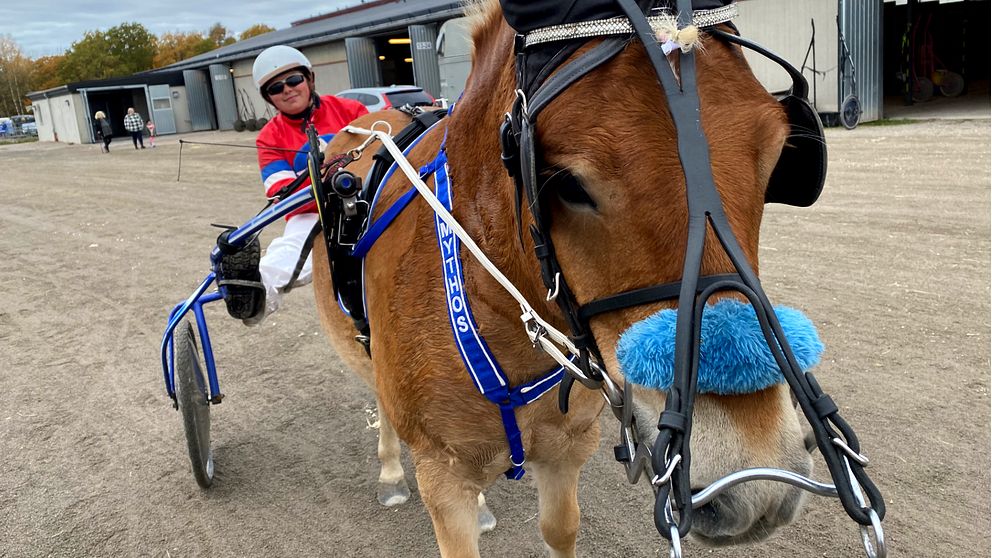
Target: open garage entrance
[(114, 102), (400, 57), (395, 59), (936, 58)]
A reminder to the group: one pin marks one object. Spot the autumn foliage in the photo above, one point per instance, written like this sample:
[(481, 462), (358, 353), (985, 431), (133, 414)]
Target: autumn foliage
[(121, 50)]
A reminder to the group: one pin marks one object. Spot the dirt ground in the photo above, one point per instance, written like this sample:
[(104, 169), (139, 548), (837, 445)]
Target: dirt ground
[(892, 264)]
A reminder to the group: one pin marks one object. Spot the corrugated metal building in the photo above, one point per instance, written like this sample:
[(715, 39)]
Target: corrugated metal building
[(871, 49), (382, 42), (65, 113), (424, 43), (378, 43)]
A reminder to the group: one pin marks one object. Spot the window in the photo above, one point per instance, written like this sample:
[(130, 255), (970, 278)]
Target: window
[(367, 100), (413, 97)]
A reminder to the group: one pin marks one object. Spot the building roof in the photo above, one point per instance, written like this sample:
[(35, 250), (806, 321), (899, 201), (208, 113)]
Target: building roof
[(378, 17), (159, 78)]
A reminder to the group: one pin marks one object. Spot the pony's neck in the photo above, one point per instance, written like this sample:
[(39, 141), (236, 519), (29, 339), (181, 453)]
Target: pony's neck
[(486, 199)]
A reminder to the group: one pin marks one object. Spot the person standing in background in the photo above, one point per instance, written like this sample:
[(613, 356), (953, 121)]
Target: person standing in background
[(151, 133), (135, 125), (103, 130)]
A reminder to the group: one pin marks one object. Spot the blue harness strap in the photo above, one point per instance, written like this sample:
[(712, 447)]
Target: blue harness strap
[(486, 373)]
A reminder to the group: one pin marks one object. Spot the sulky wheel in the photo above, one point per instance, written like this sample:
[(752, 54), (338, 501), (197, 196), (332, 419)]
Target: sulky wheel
[(850, 112), (191, 393)]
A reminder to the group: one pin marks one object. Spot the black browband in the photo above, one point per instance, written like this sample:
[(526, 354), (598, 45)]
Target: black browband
[(705, 209)]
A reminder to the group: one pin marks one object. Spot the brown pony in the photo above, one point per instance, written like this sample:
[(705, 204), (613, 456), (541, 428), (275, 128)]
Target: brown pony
[(612, 131)]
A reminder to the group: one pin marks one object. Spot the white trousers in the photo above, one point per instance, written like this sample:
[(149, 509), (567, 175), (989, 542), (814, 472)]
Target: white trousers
[(279, 261)]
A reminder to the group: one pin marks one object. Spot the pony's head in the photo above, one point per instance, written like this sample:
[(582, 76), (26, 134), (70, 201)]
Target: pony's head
[(611, 189)]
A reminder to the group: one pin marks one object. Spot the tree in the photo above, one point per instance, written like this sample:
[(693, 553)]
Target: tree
[(122, 50), (254, 31), (15, 77), (132, 46), (46, 72), (173, 47), (220, 36)]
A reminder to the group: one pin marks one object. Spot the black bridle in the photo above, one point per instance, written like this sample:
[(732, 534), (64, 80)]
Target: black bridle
[(541, 77)]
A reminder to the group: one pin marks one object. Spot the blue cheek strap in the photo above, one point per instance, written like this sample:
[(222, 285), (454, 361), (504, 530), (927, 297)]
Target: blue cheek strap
[(734, 358)]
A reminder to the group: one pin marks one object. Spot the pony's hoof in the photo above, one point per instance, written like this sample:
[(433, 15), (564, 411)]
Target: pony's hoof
[(393, 494), (487, 521)]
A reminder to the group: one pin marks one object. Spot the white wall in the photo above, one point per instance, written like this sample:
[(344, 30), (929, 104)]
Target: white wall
[(783, 26), (330, 65), (43, 118), (61, 116)]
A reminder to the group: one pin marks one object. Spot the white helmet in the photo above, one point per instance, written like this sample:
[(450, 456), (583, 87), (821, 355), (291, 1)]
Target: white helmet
[(274, 61)]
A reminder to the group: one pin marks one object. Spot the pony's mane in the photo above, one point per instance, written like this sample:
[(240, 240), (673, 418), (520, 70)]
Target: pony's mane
[(484, 17)]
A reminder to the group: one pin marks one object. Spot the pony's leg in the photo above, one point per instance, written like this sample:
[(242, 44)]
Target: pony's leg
[(558, 505), (454, 507), (487, 521), (393, 489)]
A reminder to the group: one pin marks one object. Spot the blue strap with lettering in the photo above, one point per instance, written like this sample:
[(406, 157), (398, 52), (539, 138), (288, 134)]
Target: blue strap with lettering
[(379, 226), (486, 373)]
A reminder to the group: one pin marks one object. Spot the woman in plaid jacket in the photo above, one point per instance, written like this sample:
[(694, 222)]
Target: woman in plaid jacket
[(134, 124)]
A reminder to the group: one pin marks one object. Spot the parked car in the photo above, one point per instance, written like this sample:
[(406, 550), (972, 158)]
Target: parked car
[(379, 98), (24, 125)]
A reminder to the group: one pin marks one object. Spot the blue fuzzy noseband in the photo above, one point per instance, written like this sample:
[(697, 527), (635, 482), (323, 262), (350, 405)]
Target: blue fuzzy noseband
[(733, 356)]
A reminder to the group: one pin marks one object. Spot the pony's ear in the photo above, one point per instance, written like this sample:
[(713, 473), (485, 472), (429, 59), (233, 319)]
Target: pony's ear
[(801, 170)]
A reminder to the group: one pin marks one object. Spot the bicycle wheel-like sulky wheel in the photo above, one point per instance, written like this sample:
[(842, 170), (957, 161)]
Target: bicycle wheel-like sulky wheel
[(191, 393), (850, 112)]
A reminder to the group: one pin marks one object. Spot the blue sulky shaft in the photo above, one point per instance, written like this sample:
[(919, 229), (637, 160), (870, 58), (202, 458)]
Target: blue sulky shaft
[(239, 237)]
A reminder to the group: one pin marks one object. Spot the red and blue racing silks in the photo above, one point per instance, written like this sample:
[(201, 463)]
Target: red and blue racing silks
[(279, 168)]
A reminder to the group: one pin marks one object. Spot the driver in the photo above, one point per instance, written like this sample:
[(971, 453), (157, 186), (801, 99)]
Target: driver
[(284, 77)]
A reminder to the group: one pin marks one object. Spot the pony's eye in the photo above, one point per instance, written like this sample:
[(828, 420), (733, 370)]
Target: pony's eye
[(567, 187)]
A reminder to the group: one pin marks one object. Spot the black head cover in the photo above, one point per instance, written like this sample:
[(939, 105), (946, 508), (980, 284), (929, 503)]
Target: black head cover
[(802, 167), (527, 15)]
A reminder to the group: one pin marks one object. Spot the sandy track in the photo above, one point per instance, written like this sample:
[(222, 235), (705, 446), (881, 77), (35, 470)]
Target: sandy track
[(892, 264)]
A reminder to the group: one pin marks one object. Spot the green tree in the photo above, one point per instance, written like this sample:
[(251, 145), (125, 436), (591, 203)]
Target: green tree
[(254, 31), (122, 50), (173, 47), (88, 58), (220, 36), (132, 46)]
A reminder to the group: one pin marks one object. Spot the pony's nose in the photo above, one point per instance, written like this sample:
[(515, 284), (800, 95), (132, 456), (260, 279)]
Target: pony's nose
[(733, 518)]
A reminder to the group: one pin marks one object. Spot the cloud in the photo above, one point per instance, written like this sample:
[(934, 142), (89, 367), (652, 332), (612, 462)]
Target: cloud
[(45, 27)]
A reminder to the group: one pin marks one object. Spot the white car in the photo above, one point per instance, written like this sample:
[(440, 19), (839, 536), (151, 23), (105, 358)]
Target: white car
[(379, 98)]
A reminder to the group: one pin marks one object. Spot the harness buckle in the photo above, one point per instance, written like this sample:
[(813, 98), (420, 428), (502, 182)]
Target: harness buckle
[(553, 293), (535, 331), (522, 97), (663, 478), (860, 458)]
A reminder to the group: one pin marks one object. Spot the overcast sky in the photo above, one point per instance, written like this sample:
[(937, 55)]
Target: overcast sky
[(45, 27)]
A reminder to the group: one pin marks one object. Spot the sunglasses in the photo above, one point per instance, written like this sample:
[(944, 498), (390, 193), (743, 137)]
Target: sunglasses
[(277, 87)]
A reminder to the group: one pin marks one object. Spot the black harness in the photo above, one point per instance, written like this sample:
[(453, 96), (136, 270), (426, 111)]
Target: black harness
[(343, 203), (542, 75)]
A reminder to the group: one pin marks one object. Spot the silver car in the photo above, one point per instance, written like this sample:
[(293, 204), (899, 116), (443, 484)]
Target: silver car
[(379, 98)]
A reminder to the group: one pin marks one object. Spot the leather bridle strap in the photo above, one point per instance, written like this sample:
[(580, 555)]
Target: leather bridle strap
[(520, 158), (672, 449), (646, 295)]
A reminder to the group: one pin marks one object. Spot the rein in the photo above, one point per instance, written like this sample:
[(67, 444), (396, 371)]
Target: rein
[(670, 458)]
